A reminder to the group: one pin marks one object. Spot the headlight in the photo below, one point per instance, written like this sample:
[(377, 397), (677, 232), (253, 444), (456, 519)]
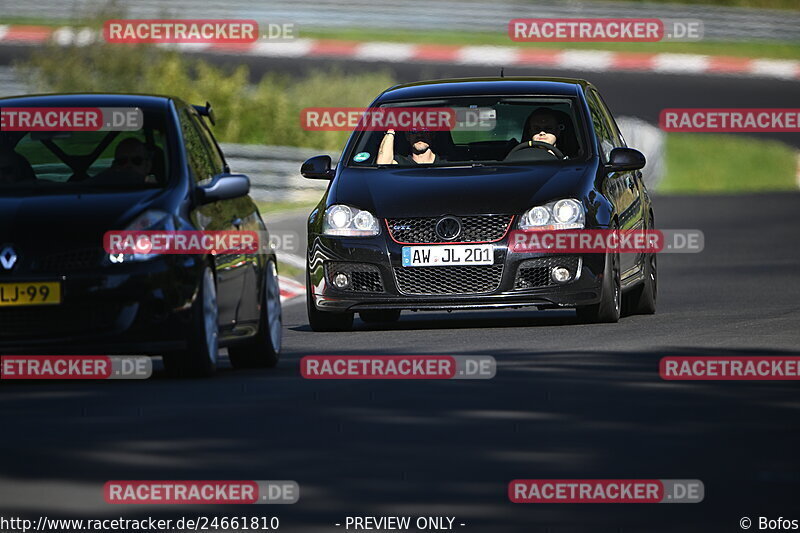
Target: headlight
[(345, 221), (561, 214), (150, 220)]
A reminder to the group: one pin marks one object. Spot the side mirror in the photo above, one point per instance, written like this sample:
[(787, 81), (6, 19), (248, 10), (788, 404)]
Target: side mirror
[(317, 168), (224, 187), (625, 159)]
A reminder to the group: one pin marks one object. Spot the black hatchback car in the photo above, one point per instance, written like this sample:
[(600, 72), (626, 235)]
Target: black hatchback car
[(61, 191), (402, 204)]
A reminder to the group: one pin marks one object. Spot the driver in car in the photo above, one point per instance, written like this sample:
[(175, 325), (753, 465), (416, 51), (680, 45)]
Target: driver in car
[(543, 126), (132, 156), (421, 151)]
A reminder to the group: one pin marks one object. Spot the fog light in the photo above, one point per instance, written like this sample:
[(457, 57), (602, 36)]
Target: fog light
[(116, 258), (560, 274), (341, 281)]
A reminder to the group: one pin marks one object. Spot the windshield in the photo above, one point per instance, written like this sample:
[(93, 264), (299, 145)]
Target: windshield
[(486, 130), (101, 160)]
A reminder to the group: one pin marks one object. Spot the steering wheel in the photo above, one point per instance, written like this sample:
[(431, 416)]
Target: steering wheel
[(537, 144)]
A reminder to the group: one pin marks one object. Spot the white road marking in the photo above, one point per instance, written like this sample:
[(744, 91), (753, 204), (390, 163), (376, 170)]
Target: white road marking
[(681, 63), (297, 48), (775, 68), (385, 51), (586, 60), (487, 55)]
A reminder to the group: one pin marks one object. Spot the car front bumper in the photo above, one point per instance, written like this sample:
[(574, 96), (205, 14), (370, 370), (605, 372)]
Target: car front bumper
[(504, 290)]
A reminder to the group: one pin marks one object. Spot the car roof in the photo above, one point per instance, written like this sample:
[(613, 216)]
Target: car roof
[(88, 100), (485, 87)]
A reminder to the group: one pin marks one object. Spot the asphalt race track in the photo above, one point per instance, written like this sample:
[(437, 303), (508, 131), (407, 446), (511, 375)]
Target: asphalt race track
[(568, 401)]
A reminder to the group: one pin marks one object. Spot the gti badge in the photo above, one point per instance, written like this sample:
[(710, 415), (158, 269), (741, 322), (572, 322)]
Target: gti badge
[(8, 258), (448, 228)]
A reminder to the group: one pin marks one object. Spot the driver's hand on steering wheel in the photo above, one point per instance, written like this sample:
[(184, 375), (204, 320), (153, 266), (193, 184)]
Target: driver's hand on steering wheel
[(545, 137), (548, 151), (544, 140)]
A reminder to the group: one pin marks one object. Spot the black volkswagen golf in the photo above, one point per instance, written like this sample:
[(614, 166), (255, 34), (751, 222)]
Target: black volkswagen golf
[(63, 292), (421, 219)]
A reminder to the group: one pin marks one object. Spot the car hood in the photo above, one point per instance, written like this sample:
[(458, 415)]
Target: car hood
[(418, 192), (72, 217)]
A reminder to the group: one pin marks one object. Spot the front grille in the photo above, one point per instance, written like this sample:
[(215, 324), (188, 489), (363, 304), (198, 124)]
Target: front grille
[(57, 320), (535, 273), (363, 277), (480, 228), (69, 261), (449, 280)]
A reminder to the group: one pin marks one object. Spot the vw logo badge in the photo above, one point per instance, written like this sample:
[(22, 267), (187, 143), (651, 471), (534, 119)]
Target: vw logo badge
[(448, 228), (8, 258)]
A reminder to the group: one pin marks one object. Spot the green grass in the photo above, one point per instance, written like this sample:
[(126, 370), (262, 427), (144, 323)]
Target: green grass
[(699, 163), (289, 271), (775, 50), (270, 208)]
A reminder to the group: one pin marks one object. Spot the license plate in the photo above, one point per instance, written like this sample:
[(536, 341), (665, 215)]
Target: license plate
[(466, 254), (33, 293)]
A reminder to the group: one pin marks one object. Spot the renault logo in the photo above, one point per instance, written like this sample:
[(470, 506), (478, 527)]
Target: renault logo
[(8, 258), (448, 228)]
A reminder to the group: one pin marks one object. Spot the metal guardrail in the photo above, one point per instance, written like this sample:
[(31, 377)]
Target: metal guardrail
[(721, 23), (11, 84), (275, 171), (649, 140)]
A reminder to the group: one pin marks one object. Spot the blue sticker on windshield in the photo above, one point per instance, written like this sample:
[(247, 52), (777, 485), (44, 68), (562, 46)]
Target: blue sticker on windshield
[(362, 156)]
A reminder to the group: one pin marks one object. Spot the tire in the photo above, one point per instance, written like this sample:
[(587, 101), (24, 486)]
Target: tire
[(200, 357), (608, 309), (642, 299), (380, 316), (263, 350), (324, 320)]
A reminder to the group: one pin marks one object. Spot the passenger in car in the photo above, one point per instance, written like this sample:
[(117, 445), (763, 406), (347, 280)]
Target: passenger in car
[(421, 151), (131, 155)]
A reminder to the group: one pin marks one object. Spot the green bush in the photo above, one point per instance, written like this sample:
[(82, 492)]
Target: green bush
[(267, 112)]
